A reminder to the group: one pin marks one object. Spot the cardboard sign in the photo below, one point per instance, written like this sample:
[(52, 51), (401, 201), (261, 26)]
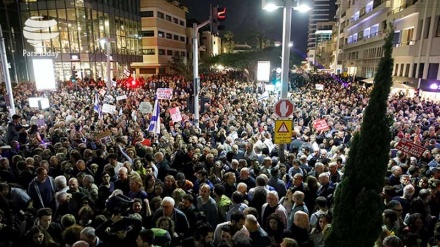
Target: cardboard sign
[(320, 125), (103, 135), (175, 114), (319, 87), (145, 107), (106, 108), (410, 148), (164, 93), (121, 97)]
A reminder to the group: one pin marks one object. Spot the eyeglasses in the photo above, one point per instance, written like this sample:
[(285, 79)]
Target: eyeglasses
[(165, 206)]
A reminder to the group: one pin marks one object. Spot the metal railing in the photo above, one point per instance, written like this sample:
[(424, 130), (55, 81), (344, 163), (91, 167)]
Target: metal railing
[(401, 8)]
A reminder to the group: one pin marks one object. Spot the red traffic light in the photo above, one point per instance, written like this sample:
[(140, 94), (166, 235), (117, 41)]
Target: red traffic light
[(221, 13)]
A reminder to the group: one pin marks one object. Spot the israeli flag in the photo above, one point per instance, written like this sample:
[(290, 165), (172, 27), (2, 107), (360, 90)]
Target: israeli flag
[(96, 103), (155, 119), (265, 95)]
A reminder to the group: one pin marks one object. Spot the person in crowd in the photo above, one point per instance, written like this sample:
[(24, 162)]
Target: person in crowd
[(207, 204), (168, 209), (42, 190)]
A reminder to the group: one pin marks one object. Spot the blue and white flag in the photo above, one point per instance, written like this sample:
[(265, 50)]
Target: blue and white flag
[(96, 103), (97, 107), (155, 119), (265, 95)]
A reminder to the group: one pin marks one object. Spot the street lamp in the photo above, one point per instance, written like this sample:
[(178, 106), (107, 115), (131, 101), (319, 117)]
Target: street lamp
[(107, 43), (271, 5)]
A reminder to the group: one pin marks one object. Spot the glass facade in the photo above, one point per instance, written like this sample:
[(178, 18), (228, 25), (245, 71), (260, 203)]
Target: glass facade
[(81, 26), (10, 22)]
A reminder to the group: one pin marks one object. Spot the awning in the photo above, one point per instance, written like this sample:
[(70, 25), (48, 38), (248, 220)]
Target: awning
[(368, 80)]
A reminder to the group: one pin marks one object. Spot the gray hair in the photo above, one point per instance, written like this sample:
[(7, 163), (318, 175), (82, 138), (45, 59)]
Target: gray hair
[(89, 178), (170, 200), (60, 182), (88, 232)]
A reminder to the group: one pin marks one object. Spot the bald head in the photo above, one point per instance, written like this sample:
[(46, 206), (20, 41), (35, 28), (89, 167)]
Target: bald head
[(251, 223), (301, 220)]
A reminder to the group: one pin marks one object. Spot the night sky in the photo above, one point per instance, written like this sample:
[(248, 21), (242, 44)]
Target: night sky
[(244, 17)]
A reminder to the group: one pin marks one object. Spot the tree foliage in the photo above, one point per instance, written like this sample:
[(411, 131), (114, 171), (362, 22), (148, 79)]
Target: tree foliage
[(228, 41), (249, 60), (181, 66), (358, 206)]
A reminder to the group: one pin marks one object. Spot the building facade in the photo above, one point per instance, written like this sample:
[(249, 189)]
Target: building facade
[(163, 35), (72, 33), (10, 23), (322, 11), (416, 24)]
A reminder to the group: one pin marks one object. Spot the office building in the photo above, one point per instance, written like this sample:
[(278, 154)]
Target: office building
[(163, 35), (72, 33), (10, 22), (322, 11)]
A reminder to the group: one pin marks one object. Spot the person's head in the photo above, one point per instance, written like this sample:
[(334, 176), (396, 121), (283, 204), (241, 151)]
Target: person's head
[(321, 202), (44, 217), (289, 242), (251, 223), (408, 191), (324, 220), (237, 220), (41, 174), (146, 238), (37, 235), (204, 191), (396, 171), (272, 198), (170, 182), (73, 184), (204, 234), (275, 222), (392, 241), (137, 205), (165, 223), (68, 220), (298, 197), (135, 184), (167, 205), (88, 181), (389, 217), (88, 235), (187, 201), (226, 233), (301, 220), (81, 243), (123, 173), (297, 179), (242, 188), (244, 173), (396, 206), (324, 179)]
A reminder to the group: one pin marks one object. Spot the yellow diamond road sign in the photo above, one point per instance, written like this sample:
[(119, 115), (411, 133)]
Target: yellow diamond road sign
[(283, 131)]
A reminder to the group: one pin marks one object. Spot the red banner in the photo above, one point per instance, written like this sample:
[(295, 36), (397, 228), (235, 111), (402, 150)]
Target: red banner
[(320, 125), (410, 148)]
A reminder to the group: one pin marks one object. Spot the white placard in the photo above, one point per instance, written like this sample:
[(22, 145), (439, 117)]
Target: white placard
[(33, 101), (319, 86), (106, 108), (121, 97), (145, 107), (44, 74), (263, 72), (175, 114), (164, 93)]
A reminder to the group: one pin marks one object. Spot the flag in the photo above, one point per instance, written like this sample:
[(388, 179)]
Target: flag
[(97, 107), (96, 103), (265, 95), (155, 119), (127, 72)]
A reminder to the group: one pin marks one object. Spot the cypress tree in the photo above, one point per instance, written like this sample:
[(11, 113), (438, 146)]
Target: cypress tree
[(358, 205)]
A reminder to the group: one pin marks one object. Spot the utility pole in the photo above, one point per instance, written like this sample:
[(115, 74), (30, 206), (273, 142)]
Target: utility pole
[(7, 77), (196, 81)]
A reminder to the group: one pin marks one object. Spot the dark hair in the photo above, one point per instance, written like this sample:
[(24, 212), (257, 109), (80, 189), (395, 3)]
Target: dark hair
[(147, 235), (37, 229), (237, 197), (44, 212), (188, 197), (219, 189), (237, 216), (202, 231)]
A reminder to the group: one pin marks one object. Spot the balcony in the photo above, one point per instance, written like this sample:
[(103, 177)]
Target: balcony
[(406, 48), (373, 37), (401, 8), (378, 6)]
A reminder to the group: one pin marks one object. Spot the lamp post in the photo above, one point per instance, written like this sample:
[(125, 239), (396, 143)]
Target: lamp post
[(106, 42), (271, 5)]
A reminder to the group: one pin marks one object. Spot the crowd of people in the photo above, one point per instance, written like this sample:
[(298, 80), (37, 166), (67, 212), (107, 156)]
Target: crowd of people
[(74, 176)]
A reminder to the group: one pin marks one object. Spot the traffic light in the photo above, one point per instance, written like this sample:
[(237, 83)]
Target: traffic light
[(74, 76), (218, 16)]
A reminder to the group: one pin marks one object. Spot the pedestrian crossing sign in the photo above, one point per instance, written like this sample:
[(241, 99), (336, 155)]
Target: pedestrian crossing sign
[(283, 131)]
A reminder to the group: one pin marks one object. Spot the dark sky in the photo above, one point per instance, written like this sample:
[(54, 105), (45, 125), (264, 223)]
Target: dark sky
[(244, 17)]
